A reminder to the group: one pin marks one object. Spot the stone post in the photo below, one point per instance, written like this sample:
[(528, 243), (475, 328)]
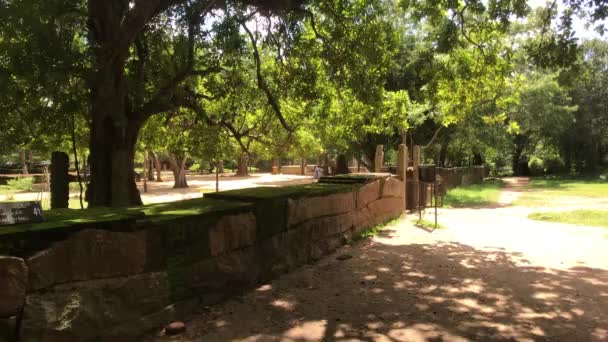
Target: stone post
[(402, 171), (416, 174), (60, 186), (379, 159)]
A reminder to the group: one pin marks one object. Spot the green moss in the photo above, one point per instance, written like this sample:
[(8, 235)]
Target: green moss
[(24, 239), (295, 191)]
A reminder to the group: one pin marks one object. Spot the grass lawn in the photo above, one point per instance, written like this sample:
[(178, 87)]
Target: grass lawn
[(486, 193), (597, 218), (552, 191)]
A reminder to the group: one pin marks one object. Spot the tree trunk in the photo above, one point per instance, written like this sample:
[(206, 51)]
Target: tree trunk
[(159, 177), (341, 165), (114, 126), (150, 165), (23, 162), (242, 170), (178, 166)]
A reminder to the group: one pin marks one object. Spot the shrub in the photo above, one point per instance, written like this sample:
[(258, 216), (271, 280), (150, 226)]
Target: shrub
[(21, 183)]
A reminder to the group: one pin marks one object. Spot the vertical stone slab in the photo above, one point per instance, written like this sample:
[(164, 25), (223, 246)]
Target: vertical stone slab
[(60, 190), (416, 174), (379, 158), (402, 164)]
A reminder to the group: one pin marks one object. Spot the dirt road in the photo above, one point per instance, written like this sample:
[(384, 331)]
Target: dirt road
[(490, 275)]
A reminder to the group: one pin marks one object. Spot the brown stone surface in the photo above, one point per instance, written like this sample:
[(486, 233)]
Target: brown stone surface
[(13, 285), (304, 209), (393, 188), (86, 255), (328, 226), (231, 233), (368, 193), (388, 205), (86, 311)]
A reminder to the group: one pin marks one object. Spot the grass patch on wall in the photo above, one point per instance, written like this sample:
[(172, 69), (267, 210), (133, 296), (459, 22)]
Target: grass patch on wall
[(597, 218), (486, 193)]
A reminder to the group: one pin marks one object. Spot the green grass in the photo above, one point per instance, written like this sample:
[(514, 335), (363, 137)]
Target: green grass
[(551, 191), (598, 218), (486, 193), (429, 224), (374, 231)]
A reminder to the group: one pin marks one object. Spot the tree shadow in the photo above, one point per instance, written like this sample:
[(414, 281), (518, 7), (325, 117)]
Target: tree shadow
[(417, 292)]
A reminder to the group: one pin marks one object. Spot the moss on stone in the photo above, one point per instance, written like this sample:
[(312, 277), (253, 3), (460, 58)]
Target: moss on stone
[(295, 191), (25, 239)]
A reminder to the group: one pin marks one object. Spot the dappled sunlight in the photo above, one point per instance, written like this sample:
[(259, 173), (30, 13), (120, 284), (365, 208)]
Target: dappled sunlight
[(419, 292)]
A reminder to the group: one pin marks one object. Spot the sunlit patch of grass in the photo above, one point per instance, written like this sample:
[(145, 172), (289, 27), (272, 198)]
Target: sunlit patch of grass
[(428, 224), (554, 191), (598, 218), (486, 193), (373, 231)]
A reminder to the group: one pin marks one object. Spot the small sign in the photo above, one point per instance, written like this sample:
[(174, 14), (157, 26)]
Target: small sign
[(20, 212)]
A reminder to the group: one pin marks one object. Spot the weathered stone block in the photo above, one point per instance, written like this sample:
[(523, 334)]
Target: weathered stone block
[(368, 193), (87, 310), (304, 209), (231, 233), (328, 226), (86, 255), (13, 285), (393, 188), (386, 205)]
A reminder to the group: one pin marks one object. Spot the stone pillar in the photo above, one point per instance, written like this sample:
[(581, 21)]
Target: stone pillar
[(379, 159), (402, 171), (60, 186), (416, 173)]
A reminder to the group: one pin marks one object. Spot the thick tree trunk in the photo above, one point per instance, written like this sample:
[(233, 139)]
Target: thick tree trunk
[(159, 176), (150, 165), (341, 165), (114, 128), (242, 169), (443, 152), (23, 163), (178, 166)]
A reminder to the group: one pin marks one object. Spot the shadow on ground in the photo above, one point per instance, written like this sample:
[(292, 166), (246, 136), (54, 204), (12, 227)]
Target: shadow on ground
[(417, 292)]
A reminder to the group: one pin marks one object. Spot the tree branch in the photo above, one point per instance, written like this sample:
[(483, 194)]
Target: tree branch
[(262, 83)]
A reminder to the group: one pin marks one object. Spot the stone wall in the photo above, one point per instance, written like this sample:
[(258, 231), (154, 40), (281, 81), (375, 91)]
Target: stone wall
[(101, 284)]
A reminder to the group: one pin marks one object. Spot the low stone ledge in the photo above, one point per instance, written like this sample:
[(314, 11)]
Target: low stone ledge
[(13, 285), (304, 209), (86, 255)]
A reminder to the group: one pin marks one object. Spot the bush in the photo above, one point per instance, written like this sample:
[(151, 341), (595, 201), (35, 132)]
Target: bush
[(21, 183)]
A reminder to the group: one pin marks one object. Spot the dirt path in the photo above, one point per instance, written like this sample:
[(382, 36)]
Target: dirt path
[(492, 274)]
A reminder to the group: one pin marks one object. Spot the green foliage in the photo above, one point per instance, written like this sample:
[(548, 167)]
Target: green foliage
[(598, 218), (21, 184), (487, 193)]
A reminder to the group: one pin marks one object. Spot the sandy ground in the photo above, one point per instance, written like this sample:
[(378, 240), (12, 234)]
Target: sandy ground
[(490, 275), (160, 192)]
